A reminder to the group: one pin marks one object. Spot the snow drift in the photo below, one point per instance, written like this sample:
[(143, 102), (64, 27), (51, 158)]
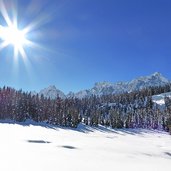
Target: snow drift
[(43, 147)]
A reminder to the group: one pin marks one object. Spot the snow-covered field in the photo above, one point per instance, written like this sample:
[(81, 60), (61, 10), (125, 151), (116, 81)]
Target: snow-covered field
[(45, 148)]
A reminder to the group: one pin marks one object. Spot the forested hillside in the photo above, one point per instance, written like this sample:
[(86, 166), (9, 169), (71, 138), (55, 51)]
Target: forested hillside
[(128, 110)]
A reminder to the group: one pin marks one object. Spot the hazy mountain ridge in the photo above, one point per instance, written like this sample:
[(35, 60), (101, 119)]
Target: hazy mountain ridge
[(52, 92), (105, 88)]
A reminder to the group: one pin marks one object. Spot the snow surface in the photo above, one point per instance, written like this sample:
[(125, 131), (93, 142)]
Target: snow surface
[(43, 147), (159, 99)]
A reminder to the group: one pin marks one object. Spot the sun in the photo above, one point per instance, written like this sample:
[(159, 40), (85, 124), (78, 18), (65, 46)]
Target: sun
[(11, 35), (21, 33)]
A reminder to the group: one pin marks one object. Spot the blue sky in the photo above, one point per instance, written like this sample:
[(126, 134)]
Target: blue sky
[(88, 41)]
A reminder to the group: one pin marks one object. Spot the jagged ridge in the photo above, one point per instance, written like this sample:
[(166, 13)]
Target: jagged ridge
[(105, 88)]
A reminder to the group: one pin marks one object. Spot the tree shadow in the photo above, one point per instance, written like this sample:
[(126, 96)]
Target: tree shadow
[(105, 129), (147, 154), (82, 128), (141, 131), (132, 131), (111, 137), (38, 141), (29, 123), (68, 147), (168, 154)]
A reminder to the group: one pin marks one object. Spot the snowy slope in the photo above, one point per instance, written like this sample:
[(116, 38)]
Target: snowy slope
[(42, 148), (159, 99)]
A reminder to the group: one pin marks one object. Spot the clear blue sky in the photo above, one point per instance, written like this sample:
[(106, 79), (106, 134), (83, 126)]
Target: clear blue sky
[(88, 41)]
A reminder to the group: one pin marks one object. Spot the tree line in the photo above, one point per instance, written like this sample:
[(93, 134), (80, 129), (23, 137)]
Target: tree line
[(127, 110)]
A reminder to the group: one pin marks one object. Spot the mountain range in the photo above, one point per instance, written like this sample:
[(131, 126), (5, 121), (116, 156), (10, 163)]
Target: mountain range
[(105, 88)]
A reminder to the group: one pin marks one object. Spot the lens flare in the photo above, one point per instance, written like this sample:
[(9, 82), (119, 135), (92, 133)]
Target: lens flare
[(11, 35)]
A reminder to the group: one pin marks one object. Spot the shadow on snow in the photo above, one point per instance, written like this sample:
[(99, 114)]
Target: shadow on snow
[(82, 128), (168, 154), (38, 141), (68, 147)]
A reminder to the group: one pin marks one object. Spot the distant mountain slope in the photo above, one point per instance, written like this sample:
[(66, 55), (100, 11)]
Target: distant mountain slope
[(105, 88), (153, 80), (52, 92), (159, 99)]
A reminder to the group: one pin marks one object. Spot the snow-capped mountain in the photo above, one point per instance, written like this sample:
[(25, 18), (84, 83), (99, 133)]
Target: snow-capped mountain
[(105, 88), (83, 93), (154, 80), (71, 94), (52, 92)]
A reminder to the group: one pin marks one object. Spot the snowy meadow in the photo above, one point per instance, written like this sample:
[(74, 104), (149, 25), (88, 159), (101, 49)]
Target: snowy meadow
[(25, 147)]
